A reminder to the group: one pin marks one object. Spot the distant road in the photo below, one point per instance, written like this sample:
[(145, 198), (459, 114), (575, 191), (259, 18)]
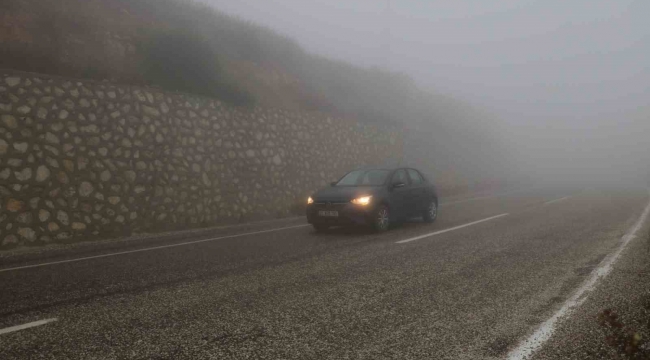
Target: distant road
[(473, 285)]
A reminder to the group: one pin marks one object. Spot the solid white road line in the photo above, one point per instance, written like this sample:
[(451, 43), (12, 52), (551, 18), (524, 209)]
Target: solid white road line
[(151, 248), (26, 326), (251, 223), (531, 344), (450, 229), (557, 200)]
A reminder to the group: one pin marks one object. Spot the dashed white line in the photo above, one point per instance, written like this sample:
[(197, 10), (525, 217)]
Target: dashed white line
[(484, 197), (557, 200), (531, 344), (26, 326), (151, 248), (450, 229)]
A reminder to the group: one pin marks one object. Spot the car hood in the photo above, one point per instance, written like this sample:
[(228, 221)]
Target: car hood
[(343, 193)]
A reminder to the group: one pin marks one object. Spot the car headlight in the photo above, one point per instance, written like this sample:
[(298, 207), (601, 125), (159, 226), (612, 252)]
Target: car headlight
[(362, 200), (310, 201)]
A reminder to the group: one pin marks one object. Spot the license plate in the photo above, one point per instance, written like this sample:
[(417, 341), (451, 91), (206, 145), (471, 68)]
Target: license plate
[(328, 213)]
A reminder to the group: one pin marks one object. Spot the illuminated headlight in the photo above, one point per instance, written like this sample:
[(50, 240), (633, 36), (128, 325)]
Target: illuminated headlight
[(362, 200), (310, 201)]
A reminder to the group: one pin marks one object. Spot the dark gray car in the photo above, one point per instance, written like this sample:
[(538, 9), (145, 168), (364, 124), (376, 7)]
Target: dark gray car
[(374, 197)]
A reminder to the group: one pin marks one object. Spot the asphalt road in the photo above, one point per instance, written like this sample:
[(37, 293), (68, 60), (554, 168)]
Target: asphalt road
[(473, 289)]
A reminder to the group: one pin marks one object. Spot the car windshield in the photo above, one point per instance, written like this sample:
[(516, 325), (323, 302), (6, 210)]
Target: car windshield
[(364, 178)]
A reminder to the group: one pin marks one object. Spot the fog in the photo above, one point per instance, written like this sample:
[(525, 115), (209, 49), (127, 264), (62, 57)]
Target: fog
[(565, 82)]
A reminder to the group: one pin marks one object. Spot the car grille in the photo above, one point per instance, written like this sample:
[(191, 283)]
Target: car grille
[(330, 204)]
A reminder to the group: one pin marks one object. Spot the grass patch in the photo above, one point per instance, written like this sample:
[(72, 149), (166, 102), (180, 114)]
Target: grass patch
[(627, 342)]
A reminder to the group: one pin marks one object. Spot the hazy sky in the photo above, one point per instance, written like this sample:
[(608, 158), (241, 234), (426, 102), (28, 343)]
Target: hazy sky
[(565, 75)]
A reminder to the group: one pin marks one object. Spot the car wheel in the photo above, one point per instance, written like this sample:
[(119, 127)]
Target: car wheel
[(381, 219), (320, 227), (431, 213)]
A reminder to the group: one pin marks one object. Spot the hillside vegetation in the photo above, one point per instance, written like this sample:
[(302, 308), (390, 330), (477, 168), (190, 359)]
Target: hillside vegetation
[(185, 46)]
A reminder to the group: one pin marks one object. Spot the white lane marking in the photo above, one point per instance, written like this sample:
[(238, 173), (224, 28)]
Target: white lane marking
[(450, 229), (485, 197), (531, 344), (150, 248), (26, 326), (557, 200), (250, 224)]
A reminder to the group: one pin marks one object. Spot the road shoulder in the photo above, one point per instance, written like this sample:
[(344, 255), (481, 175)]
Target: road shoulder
[(614, 321)]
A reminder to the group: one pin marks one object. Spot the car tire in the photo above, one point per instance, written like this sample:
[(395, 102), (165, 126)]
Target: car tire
[(320, 227), (381, 218), (431, 213)]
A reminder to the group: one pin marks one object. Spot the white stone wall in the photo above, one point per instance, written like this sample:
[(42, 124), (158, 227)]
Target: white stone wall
[(87, 160)]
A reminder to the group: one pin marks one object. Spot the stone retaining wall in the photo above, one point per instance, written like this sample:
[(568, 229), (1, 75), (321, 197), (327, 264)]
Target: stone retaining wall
[(82, 160)]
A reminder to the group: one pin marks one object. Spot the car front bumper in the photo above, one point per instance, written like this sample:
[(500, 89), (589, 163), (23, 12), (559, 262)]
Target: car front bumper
[(348, 214)]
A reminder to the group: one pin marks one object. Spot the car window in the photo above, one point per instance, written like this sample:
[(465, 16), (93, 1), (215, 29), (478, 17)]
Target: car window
[(364, 178), (400, 177), (374, 178), (350, 179), (415, 177)]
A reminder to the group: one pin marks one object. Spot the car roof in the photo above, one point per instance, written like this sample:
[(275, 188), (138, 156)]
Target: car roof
[(393, 168), (387, 168)]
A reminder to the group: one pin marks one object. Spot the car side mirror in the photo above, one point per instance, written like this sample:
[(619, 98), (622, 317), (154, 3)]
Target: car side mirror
[(333, 183), (398, 185)]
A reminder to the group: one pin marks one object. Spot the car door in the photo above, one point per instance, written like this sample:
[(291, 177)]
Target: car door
[(399, 195), (418, 195)]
